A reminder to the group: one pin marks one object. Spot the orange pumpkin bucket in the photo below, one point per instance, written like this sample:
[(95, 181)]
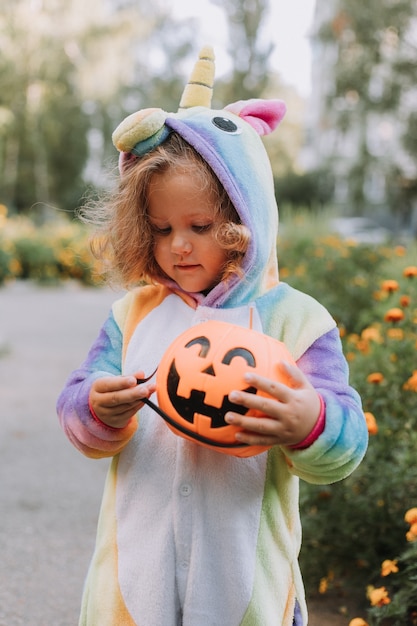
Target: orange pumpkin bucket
[(197, 373)]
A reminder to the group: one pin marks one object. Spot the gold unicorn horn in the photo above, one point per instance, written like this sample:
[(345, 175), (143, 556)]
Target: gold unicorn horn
[(199, 90)]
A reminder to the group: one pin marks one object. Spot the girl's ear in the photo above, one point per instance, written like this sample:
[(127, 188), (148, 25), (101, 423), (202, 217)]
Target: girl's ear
[(263, 115)]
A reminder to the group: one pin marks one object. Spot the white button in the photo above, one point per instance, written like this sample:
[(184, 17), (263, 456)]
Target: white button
[(185, 489)]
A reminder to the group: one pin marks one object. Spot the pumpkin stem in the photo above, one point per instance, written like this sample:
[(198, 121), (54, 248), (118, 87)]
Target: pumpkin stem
[(251, 316)]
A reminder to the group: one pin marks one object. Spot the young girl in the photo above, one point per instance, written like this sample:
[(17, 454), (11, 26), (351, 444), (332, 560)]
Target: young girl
[(188, 536)]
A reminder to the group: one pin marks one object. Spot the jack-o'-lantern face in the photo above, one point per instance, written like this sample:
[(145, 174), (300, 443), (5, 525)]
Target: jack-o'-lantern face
[(199, 370), (205, 392)]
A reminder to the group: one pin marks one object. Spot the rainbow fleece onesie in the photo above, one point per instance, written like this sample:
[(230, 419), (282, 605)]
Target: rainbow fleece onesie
[(188, 536)]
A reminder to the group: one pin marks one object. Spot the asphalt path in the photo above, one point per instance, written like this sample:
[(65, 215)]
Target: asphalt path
[(49, 493)]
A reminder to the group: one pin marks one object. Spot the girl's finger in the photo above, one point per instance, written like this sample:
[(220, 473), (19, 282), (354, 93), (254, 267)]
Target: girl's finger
[(277, 390), (114, 383)]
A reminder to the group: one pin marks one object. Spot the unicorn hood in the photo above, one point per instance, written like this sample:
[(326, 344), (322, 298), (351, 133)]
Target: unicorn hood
[(229, 140)]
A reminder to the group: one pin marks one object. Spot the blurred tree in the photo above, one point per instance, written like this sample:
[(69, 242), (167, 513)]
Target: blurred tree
[(137, 62), (62, 89), (66, 83), (251, 76), (64, 86), (248, 49), (372, 98), (41, 157)]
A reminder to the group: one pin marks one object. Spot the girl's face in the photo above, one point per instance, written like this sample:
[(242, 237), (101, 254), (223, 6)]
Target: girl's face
[(183, 218)]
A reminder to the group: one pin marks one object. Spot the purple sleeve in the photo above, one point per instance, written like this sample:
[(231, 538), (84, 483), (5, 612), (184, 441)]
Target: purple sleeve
[(342, 444), (91, 437)]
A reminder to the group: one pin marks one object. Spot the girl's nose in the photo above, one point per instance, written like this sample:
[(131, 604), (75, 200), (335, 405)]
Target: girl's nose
[(181, 245)]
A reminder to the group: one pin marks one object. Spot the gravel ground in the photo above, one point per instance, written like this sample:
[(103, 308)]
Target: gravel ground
[(50, 494)]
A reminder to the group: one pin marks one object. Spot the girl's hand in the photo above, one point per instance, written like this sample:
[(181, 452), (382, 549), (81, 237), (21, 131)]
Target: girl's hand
[(116, 399), (288, 416)]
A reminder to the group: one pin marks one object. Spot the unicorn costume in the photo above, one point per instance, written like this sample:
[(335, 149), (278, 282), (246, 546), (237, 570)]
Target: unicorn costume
[(188, 536)]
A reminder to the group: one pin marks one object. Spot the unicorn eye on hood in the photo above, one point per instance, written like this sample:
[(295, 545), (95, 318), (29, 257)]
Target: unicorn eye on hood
[(226, 124), (229, 141)]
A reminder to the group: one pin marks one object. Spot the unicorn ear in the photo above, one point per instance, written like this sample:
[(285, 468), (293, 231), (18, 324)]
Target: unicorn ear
[(263, 115), (199, 89)]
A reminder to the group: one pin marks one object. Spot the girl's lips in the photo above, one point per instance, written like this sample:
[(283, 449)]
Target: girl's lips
[(187, 267)]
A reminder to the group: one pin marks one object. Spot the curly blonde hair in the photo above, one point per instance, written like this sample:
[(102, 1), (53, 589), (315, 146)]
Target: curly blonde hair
[(123, 239)]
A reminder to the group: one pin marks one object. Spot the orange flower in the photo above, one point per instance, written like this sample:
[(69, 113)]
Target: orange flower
[(389, 567), (371, 423), (394, 315), (300, 270), (353, 338), (390, 286), (410, 536), (363, 346), (410, 271), (405, 301), (371, 334), (358, 621), (411, 516), (323, 586), (375, 378), (400, 250), (395, 333), (378, 596), (411, 384)]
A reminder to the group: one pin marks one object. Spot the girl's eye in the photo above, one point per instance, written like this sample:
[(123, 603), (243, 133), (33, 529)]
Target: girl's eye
[(161, 231), (202, 228)]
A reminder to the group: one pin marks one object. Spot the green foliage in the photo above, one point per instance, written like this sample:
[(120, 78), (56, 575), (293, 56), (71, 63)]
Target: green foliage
[(66, 83), (386, 353), (351, 527), (401, 587), (312, 189), (54, 252), (365, 512), (393, 593), (43, 147), (338, 273)]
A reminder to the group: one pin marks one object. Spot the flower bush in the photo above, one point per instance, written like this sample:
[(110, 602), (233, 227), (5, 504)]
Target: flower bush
[(394, 600), (351, 527), (339, 273), (56, 251)]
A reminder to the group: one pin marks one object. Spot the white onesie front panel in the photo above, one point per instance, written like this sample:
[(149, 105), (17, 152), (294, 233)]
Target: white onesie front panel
[(187, 517)]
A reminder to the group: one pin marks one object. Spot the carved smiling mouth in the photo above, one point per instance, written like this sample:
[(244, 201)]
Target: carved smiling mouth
[(189, 407)]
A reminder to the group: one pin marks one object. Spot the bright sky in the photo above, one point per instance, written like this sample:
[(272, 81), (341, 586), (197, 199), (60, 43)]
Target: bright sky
[(288, 28)]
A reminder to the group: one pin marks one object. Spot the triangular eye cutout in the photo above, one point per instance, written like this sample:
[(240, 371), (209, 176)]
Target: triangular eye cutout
[(209, 370)]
